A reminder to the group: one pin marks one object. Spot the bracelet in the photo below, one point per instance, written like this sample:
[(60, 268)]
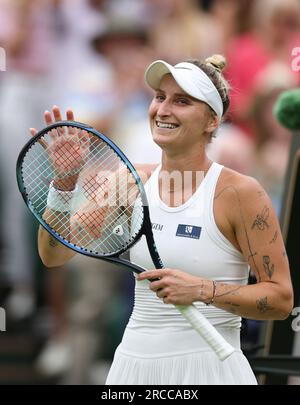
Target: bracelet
[(213, 294), (59, 200)]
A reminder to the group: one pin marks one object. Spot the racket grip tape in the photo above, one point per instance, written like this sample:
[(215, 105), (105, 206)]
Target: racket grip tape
[(207, 331)]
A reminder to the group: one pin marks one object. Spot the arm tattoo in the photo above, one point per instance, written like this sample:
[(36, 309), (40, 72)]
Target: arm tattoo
[(261, 220), (262, 305), (269, 268), (252, 254), (273, 240), (53, 242)]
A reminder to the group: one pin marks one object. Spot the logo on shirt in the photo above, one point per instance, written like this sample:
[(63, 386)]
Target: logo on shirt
[(157, 227), (188, 231)]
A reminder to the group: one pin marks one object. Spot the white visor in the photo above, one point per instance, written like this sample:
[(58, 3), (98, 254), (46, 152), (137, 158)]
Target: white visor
[(190, 78)]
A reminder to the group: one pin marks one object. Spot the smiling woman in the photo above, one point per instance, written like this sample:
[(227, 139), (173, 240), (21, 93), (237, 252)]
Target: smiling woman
[(173, 115), (205, 92), (207, 239)]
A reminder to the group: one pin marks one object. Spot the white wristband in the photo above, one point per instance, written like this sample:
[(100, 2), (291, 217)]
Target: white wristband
[(59, 200)]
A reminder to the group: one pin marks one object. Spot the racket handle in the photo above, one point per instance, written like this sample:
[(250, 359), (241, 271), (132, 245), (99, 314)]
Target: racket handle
[(208, 332)]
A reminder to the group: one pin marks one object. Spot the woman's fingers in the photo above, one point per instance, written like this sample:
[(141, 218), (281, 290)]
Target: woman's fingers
[(84, 142), (58, 117), (157, 285), (70, 115), (48, 120), (56, 112), (161, 293), (33, 131), (48, 117), (55, 116)]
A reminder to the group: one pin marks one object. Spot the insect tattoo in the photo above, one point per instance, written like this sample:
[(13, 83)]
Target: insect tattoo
[(261, 220), (262, 305), (269, 268)]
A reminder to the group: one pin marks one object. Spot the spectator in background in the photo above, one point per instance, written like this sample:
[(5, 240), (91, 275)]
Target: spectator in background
[(125, 94), (233, 17), (26, 34), (183, 32), (79, 72), (275, 32)]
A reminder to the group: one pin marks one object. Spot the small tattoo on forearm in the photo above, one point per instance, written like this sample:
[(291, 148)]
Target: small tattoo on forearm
[(262, 305), (261, 193), (52, 242), (284, 253), (268, 267), (273, 240), (261, 220), (251, 253)]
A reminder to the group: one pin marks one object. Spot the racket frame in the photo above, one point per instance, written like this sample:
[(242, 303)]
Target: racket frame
[(146, 228)]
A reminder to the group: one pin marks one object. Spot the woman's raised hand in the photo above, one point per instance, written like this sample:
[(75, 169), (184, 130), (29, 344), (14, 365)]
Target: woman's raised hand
[(67, 148)]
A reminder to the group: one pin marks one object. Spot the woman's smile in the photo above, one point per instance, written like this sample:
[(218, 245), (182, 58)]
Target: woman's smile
[(166, 125)]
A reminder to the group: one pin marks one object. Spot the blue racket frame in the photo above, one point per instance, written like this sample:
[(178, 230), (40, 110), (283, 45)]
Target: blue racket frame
[(146, 228)]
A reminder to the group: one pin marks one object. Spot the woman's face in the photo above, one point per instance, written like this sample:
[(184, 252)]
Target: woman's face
[(177, 120)]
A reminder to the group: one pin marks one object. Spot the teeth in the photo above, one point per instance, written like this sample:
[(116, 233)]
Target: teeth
[(166, 125)]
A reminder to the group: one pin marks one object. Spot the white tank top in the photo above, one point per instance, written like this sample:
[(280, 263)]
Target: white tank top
[(187, 238)]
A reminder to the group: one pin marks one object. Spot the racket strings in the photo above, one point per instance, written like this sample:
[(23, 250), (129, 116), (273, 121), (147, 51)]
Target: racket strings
[(115, 215), (60, 226), (106, 211)]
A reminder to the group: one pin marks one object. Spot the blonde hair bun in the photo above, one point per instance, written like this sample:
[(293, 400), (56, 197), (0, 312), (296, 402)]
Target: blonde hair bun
[(216, 61)]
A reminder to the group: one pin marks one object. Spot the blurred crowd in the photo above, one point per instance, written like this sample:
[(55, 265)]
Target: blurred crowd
[(90, 55)]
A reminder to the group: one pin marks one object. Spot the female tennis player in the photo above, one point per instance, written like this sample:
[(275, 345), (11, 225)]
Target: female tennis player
[(211, 224)]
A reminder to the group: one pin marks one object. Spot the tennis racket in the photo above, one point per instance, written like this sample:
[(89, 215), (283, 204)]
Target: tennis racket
[(103, 210)]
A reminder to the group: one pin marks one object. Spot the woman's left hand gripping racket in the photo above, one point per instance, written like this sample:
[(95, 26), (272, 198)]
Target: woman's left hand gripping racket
[(105, 214)]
